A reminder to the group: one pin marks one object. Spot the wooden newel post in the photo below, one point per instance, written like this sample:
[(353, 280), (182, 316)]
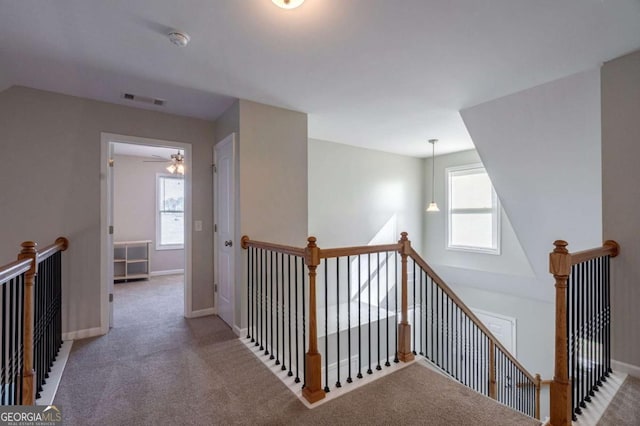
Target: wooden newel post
[(312, 390), (404, 328), (28, 373), (493, 389), (560, 389)]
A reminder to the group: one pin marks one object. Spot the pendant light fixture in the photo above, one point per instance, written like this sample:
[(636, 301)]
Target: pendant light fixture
[(433, 207), (288, 4)]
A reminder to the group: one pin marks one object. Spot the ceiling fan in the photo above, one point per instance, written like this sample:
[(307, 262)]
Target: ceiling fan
[(176, 160)]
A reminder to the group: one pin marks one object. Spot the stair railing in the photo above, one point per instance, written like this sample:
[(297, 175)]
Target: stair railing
[(583, 327), (31, 322), (450, 335), (368, 307)]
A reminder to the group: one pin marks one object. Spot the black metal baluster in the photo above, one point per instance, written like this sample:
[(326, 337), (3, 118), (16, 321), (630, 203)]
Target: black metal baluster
[(378, 325), (369, 371), (579, 341), (608, 316), (254, 337), (395, 266), (283, 307), (338, 383), (304, 325), (261, 277), (349, 379), (297, 314), (421, 310), (386, 295), (413, 326), (432, 318), (289, 308), (270, 308), (598, 346), (359, 375), (326, 325), (592, 328), (571, 335), (275, 314), (9, 370), (584, 377), (249, 293)]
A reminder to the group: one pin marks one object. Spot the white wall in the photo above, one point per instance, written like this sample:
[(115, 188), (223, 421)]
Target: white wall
[(134, 208), (271, 174), (51, 186), (541, 148), (511, 262), (621, 199), (354, 192)]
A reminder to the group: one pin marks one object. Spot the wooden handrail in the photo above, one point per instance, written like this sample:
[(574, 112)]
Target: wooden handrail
[(247, 242), (13, 269), (436, 278), (355, 251), (61, 244), (609, 248)]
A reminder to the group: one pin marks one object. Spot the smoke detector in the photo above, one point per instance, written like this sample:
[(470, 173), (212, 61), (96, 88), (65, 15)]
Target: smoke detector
[(179, 38)]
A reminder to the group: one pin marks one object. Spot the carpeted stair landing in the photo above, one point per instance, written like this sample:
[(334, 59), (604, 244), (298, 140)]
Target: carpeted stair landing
[(166, 370)]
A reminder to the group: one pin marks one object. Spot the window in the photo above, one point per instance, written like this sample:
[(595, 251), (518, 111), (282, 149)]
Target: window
[(473, 210), (170, 216)]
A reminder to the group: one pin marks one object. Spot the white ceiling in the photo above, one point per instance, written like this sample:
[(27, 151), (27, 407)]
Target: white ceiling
[(377, 73)]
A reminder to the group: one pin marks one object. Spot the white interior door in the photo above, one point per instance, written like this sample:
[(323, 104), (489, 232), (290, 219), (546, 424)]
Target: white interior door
[(224, 208), (110, 192)]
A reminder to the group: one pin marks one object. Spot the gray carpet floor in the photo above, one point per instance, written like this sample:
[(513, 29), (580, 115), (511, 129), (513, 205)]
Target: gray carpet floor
[(157, 368), (624, 409)]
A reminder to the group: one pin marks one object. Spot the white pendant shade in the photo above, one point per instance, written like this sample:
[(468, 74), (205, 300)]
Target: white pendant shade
[(288, 4), (433, 207)]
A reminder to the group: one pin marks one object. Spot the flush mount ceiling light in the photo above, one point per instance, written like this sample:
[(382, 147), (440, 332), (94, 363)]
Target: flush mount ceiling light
[(288, 4), (179, 38), (433, 207)]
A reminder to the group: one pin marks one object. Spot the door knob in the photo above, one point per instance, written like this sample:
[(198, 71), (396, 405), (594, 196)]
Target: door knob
[(228, 243)]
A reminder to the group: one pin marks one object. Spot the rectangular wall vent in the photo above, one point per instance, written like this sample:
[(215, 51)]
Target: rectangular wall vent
[(143, 99)]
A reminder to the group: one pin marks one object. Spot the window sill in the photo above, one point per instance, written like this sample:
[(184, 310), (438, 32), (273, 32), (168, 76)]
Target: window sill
[(494, 252), (167, 247)]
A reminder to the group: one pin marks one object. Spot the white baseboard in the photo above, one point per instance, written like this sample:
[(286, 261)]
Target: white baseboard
[(623, 367), (202, 313), (83, 334), (167, 272), (240, 332), (50, 387)]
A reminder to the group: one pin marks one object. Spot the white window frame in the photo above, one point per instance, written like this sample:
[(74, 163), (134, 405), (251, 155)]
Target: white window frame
[(160, 246), (495, 211)]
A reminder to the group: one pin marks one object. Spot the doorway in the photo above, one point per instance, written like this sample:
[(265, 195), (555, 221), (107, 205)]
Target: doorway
[(142, 148)]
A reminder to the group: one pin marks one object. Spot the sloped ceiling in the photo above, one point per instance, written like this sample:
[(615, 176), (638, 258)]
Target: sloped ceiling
[(382, 74)]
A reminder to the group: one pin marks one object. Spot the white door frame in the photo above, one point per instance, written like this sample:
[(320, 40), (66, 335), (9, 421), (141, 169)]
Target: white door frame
[(231, 138), (106, 248)]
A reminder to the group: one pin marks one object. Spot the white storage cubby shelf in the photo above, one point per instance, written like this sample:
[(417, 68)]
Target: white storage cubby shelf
[(131, 260)]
